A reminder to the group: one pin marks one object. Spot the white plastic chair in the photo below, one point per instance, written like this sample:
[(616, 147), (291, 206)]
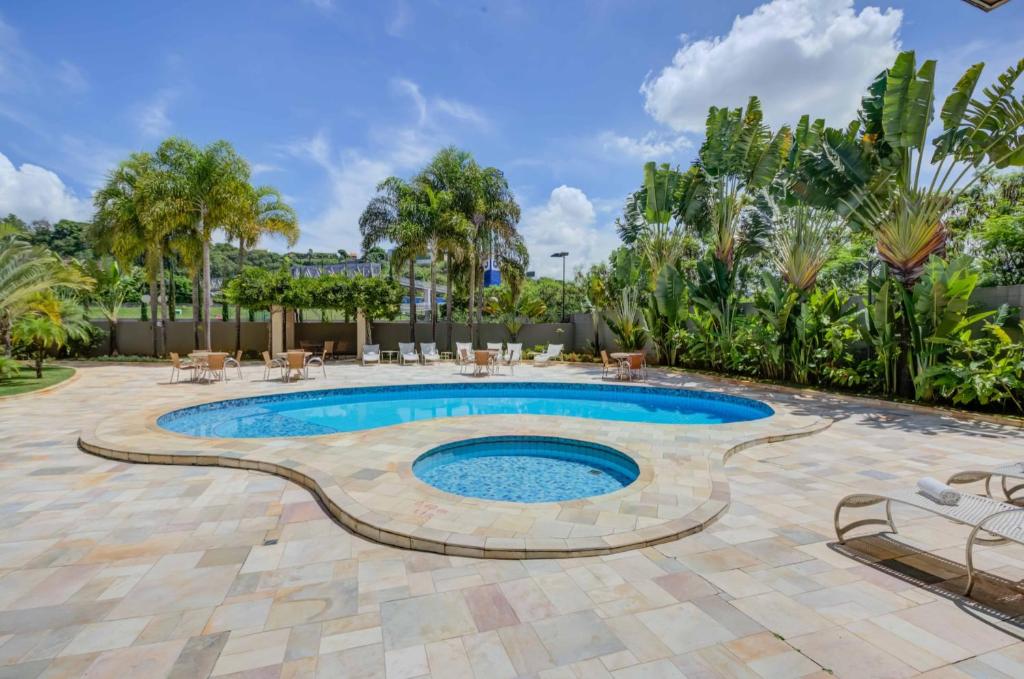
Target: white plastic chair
[(553, 352), (428, 352), (371, 353)]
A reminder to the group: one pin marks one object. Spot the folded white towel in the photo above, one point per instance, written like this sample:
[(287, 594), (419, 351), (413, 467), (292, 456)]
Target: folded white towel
[(937, 491)]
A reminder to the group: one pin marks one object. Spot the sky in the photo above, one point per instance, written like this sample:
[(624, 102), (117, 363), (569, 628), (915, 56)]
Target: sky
[(325, 98)]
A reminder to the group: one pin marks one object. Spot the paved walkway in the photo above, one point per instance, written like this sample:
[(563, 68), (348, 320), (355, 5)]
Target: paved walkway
[(122, 570)]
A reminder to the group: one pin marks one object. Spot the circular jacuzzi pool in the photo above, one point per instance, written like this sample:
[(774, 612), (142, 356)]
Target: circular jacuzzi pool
[(331, 411), (525, 468)]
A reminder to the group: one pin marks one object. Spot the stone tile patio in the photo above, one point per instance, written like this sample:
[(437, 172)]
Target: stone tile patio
[(109, 568)]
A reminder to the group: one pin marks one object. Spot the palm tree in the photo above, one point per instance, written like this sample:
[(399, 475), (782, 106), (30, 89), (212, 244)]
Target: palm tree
[(514, 309), (395, 215), (203, 189), (113, 285), (25, 272), (124, 226), (265, 214), (50, 322)]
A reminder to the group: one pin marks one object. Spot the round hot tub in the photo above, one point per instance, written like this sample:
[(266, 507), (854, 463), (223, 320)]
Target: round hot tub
[(525, 468)]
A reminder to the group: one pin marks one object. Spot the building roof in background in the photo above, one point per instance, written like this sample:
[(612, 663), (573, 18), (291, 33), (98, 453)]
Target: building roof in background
[(372, 269)]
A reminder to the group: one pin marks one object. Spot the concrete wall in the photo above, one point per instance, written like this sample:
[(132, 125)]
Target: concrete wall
[(997, 295), (343, 334), (136, 337)]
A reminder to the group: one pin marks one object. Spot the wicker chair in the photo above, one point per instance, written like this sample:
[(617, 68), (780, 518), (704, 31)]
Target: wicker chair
[(271, 364), (178, 367), (235, 362), (214, 368), (320, 361)]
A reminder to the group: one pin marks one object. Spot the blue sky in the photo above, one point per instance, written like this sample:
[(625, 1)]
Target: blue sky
[(325, 98)]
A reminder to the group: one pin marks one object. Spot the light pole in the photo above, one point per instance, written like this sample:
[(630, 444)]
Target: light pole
[(562, 256)]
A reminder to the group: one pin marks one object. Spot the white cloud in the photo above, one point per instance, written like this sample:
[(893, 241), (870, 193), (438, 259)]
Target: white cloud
[(427, 109), (400, 21), (71, 76), (352, 178), (152, 117), (651, 146), (33, 192), (566, 222), (798, 56)]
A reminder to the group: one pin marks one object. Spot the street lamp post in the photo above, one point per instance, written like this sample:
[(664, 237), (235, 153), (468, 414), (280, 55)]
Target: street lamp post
[(562, 256)]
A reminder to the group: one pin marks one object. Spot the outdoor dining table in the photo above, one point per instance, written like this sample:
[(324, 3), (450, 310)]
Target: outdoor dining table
[(620, 357)]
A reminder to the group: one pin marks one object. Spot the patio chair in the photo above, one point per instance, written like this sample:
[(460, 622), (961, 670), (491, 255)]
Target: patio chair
[(371, 354), (179, 366), (1002, 521), (214, 368), (295, 363), (483, 362), (270, 364), (235, 362), (407, 353), (464, 359), (513, 356), (636, 366), (462, 349), (428, 352), (551, 353), (497, 346), (320, 361), (610, 365), (328, 349), (1007, 473)]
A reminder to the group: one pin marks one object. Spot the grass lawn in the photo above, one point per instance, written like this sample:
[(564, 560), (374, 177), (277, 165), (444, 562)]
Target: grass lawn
[(26, 381)]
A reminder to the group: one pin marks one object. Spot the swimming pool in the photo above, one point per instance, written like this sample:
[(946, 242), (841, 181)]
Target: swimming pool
[(526, 468), (331, 411)]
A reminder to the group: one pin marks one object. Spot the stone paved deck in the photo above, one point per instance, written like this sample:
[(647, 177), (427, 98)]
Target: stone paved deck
[(116, 569), (365, 480)]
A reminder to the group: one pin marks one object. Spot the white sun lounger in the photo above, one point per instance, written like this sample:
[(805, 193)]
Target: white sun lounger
[(407, 353), (1006, 473), (428, 352), (553, 352), (984, 515), (371, 353)]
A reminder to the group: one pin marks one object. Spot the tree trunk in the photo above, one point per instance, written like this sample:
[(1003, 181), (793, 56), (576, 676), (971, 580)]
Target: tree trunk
[(172, 292), (154, 326), (433, 295), (113, 336), (162, 308), (39, 363), (196, 311), (238, 307), (207, 296), (472, 298), (448, 301), (412, 299), (5, 331)]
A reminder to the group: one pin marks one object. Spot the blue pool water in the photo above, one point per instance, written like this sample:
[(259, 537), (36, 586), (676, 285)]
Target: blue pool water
[(526, 468), (342, 410)]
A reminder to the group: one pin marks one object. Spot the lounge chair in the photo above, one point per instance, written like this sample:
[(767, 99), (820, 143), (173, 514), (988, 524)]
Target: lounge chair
[(513, 356), (318, 361), (213, 369), (407, 353), (1003, 521), (551, 353), (371, 353), (179, 366), (1007, 474), (235, 362), (295, 362), (428, 352), (270, 364)]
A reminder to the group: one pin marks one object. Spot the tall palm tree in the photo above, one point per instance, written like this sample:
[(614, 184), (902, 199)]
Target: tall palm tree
[(125, 226), (265, 213), (203, 189), (395, 216)]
